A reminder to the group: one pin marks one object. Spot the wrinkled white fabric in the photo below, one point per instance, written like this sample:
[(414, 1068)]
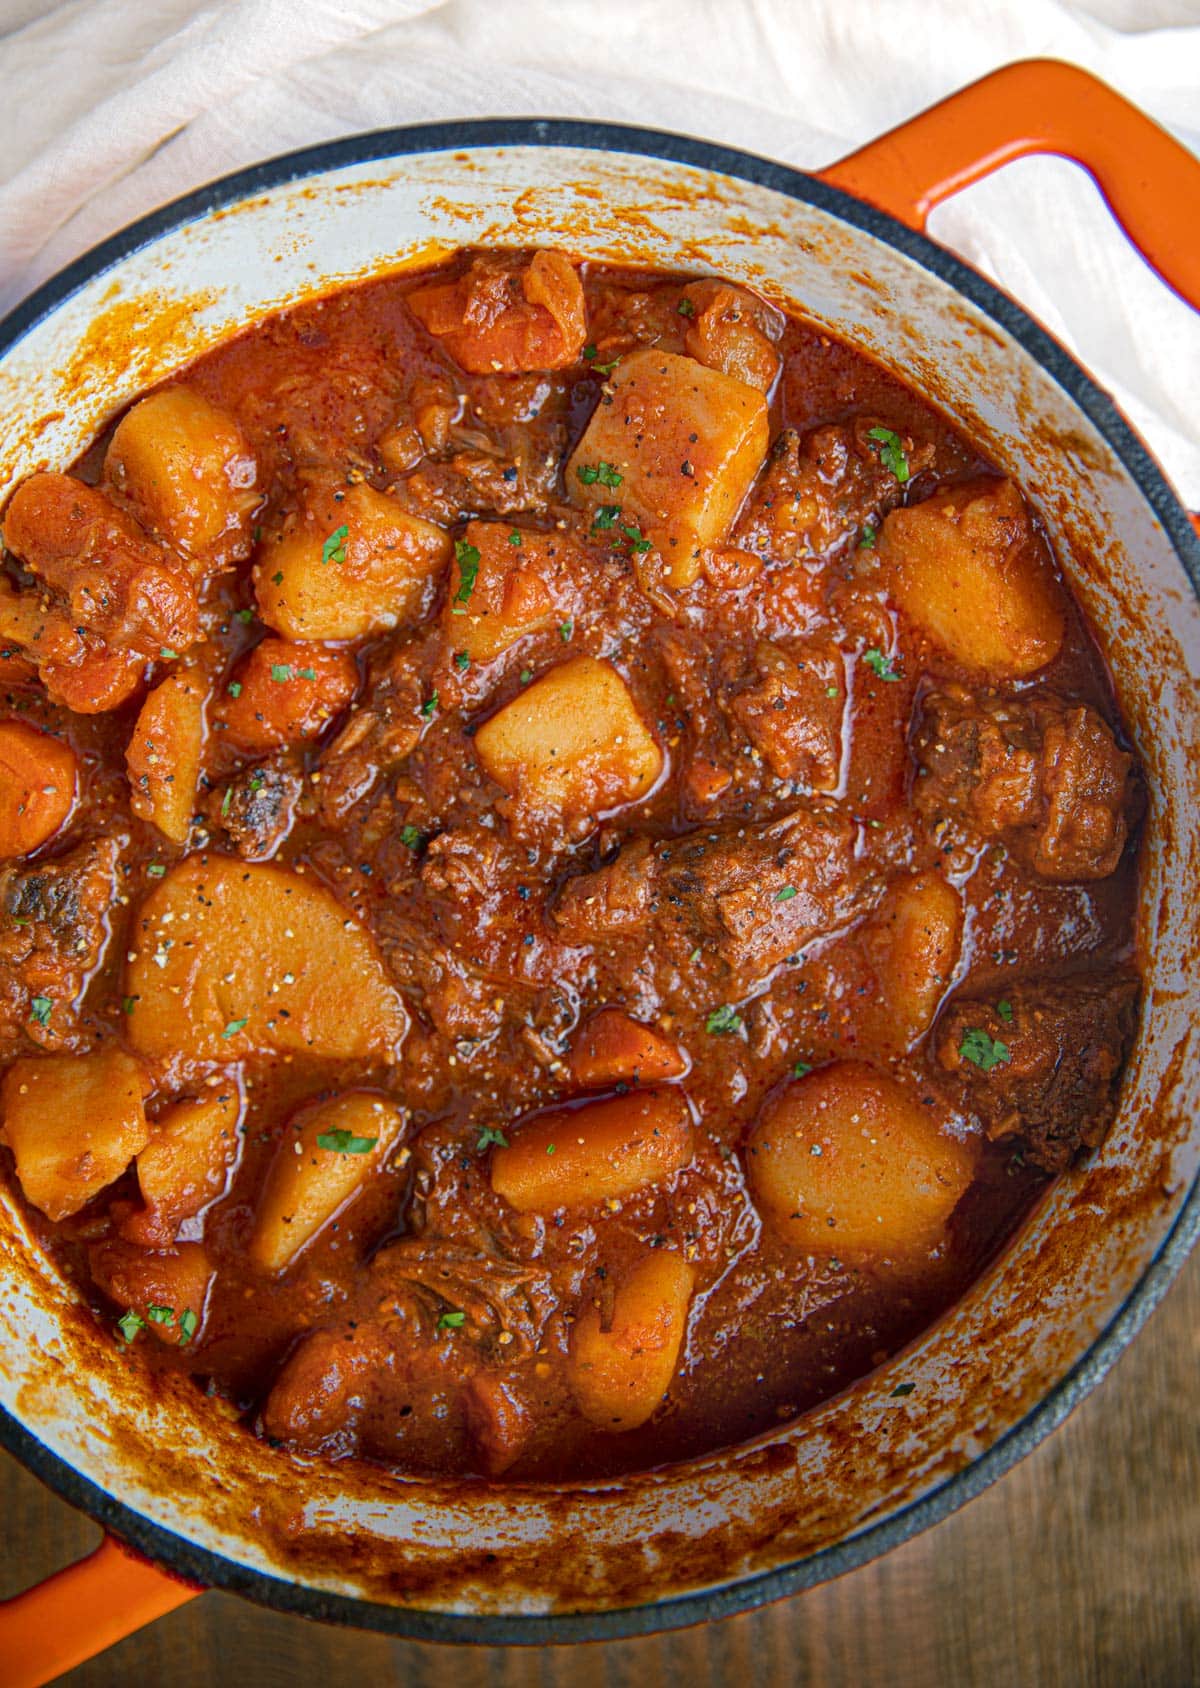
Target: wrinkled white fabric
[(109, 108)]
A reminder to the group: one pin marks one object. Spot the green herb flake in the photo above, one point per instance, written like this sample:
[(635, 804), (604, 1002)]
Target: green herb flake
[(1005, 1011), (983, 1051), (167, 654), (156, 870), (128, 1004), (902, 1389), (257, 781), (281, 671), (566, 629), (334, 548), (258, 533), (550, 1148), (227, 801), (606, 368), (867, 539), (526, 675), (634, 536), (606, 473), (306, 673), (235, 1026), (724, 1019), (244, 616), (514, 537), (452, 1321), (428, 709), (880, 665), (467, 558), (129, 1324), (234, 688), (831, 691), (589, 351), (686, 308), (411, 837), (160, 1315), (605, 517), (277, 578), (342, 1142), (786, 894), (891, 452), (189, 1323), (801, 1069), (40, 1009), (462, 661), (489, 1135)]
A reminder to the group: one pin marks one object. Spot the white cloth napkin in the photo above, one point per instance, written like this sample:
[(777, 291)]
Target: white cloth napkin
[(108, 108)]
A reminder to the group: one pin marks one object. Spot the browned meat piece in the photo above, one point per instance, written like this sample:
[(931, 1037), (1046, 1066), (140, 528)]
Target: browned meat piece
[(53, 935), (499, 1421), (1042, 1063), (750, 897), (319, 1396), (258, 806), (794, 713), (109, 578), (505, 1304), (1044, 775), (820, 491)]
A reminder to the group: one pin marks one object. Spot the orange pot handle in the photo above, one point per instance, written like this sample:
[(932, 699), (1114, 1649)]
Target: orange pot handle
[(79, 1612), (1150, 181)]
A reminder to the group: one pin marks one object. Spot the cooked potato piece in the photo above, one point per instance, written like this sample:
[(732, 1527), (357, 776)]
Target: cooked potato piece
[(572, 1157), (680, 445), (37, 787), (621, 1366), (163, 758), (730, 330), (188, 473), (506, 584), (282, 693), (167, 1293), (223, 947), (505, 315), (352, 562), (970, 569), (73, 1123), (186, 1163), (912, 942), (572, 742), (846, 1162), (323, 1160), (613, 1049)]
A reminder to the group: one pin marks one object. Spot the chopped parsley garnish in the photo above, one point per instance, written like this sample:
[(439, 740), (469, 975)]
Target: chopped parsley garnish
[(606, 473), (526, 676), (189, 1323), (306, 673), (566, 628), (156, 870), (514, 537), (428, 709), (867, 541), (1004, 1009), (277, 578), (129, 1324), (786, 894), (467, 558), (227, 801), (234, 688), (244, 616), (605, 517), (168, 655), (452, 1321), (411, 837), (550, 1148), (40, 1009), (831, 691), (606, 368), (589, 351), (686, 308), (257, 781), (334, 548), (983, 1051), (235, 1026), (462, 661), (489, 1135), (281, 671), (891, 452), (127, 1004), (904, 1389), (723, 1019), (160, 1315), (634, 536), (342, 1142), (880, 664), (800, 1068)]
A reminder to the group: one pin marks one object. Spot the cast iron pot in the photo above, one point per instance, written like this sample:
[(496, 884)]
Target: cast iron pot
[(197, 1499)]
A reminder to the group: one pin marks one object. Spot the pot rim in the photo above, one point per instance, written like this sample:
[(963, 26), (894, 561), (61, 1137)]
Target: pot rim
[(202, 1565)]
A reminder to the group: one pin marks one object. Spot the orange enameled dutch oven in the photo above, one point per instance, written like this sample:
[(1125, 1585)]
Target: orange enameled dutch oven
[(191, 1500)]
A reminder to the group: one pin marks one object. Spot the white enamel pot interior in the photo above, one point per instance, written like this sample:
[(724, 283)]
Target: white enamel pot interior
[(491, 1562)]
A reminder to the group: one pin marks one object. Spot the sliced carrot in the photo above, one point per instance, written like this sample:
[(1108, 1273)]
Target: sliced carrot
[(37, 787)]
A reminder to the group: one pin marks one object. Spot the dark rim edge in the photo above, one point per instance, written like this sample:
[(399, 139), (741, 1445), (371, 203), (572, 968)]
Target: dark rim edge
[(204, 1566)]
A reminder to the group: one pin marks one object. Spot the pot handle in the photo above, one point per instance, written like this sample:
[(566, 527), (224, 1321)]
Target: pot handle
[(1150, 182), (80, 1611)]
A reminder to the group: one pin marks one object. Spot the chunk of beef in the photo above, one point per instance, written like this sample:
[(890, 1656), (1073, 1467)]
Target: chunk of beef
[(819, 492), (322, 1390), (1043, 1064), (258, 806), (499, 1420), (749, 898), (1044, 775), (52, 937), (794, 712)]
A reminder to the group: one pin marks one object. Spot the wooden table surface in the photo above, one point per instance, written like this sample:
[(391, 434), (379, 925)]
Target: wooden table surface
[(1081, 1568)]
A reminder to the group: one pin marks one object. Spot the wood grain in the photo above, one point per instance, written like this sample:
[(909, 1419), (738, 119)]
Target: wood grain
[(1081, 1569)]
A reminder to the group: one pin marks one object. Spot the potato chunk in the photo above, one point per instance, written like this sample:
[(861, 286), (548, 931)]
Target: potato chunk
[(282, 693), (351, 562), (167, 1293), (507, 583), (188, 473), (37, 787), (846, 1162), (73, 1123), (571, 1157), (572, 743), (325, 1157), (186, 1163), (613, 1049), (505, 314), (620, 1367), (163, 758), (912, 943), (971, 570), (685, 441), (221, 947)]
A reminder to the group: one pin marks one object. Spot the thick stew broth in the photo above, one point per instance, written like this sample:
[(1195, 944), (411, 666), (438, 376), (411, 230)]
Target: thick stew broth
[(567, 869)]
